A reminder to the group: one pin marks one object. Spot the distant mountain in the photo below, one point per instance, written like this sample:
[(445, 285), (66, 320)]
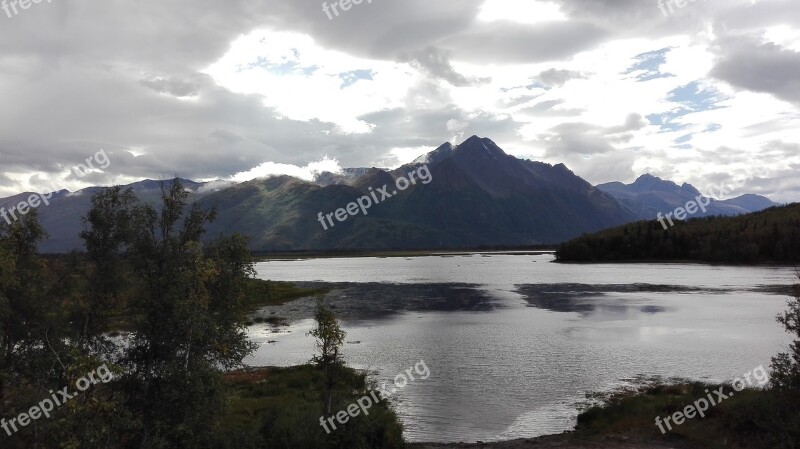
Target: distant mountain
[(346, 176), (751, 203), (648, 196), (62, 218), (478, 196)]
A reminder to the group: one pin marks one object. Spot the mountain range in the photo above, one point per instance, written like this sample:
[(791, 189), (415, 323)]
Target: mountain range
[(648, 196), (478, 196)]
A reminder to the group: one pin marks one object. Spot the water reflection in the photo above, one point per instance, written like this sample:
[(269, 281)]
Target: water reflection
[(592, 300)]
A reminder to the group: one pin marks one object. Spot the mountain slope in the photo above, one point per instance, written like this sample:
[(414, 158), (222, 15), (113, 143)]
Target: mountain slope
[(478, 196)]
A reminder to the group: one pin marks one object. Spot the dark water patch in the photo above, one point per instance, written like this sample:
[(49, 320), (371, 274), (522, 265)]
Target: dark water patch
[(787, 290), (373, 301), (582, 298)]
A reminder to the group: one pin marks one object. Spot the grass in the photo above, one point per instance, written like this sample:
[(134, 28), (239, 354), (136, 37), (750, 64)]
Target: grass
[(260, 293), (750, 419), (281, 407)]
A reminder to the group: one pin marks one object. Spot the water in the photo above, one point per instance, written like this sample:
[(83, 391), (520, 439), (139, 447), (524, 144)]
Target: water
[(514, 343)]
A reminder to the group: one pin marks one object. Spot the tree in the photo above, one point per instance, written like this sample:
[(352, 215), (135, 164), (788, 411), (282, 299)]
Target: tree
[(24, 309), (329, 340), (786, 366), (109, 228), (187, 314), (37, 352)]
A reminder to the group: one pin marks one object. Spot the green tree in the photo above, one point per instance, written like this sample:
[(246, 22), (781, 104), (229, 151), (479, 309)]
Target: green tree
[(109, 228), (24, 311), (37, 351), (189, 319), (786, 366), (329, 340)]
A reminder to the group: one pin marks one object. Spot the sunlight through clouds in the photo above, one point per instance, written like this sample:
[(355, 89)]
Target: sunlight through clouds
[(304, 81)]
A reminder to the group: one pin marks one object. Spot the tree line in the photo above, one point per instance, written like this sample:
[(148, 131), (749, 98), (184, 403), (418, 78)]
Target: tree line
[(772, 235)]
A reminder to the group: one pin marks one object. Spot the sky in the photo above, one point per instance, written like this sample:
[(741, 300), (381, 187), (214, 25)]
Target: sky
[(704, 93)]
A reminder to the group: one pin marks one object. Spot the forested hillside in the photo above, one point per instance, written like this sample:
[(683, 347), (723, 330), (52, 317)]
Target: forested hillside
[(772, 235)]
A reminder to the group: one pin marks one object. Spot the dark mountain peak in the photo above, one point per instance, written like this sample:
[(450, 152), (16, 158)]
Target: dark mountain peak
[(473, 140), (480, 145), (472, 148), (562, 168), (650, 183), (647, 178), (444, 151), (445, 147), (375, 177)]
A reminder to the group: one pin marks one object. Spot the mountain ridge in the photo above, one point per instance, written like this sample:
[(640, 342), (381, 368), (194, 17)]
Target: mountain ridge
[(478, 196), (649, 196)]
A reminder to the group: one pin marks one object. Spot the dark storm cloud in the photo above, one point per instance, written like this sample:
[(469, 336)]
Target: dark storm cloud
[(78, 76), (760, 67), (382, 29), (436, 62), (504, 42), (176, 86), (111, 75)]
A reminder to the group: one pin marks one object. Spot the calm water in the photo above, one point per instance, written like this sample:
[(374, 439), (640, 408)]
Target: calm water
[(514, 343)]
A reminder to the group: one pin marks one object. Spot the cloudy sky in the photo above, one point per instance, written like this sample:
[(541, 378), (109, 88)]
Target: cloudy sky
[(235, 89)]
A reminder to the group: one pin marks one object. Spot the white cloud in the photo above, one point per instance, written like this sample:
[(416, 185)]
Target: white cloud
[(306, 172)]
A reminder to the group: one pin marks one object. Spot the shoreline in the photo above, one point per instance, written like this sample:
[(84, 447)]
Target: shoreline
[(290, 255), (567, 440)]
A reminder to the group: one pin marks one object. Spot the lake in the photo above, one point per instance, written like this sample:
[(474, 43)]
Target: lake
[(515, 343)]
